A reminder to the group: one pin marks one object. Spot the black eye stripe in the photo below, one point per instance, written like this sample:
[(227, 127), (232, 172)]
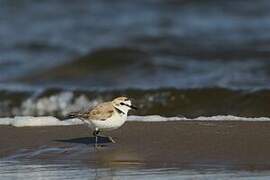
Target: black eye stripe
[(130, 106)]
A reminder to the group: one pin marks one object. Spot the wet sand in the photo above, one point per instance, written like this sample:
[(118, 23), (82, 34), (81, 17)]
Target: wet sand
[(233, 145)]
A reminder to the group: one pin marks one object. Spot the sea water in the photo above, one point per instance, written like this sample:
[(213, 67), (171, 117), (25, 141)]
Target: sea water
[(38, 170)]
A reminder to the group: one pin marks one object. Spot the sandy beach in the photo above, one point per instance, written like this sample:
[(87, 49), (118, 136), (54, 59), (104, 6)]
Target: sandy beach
[(233, 145)]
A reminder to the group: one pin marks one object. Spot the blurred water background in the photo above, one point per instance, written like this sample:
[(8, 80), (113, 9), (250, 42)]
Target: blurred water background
[(175, 57)]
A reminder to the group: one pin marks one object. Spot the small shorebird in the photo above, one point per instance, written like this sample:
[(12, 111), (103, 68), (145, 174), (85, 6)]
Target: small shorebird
[(106, 116)]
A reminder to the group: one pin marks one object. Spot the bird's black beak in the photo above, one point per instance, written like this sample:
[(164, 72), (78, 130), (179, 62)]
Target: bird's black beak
[(132, 107)]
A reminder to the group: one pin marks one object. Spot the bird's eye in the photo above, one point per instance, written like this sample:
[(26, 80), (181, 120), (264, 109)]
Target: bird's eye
[(126, 99), (122, 103)]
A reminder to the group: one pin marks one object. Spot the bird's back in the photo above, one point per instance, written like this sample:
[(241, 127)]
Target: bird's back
[(100, 112)]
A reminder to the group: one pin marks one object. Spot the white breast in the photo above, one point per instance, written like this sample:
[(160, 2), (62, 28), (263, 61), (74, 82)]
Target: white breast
[(114, 122)]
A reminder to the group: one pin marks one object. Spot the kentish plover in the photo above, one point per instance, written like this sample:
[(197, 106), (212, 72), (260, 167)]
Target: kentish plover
[(106, 116)]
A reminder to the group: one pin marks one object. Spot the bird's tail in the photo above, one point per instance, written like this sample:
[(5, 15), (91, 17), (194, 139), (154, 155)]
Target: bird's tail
[(77, 115), (70, 116), (73, 115), (80, 115)]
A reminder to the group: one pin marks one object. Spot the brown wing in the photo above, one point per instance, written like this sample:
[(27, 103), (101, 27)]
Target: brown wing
[(101, 111)]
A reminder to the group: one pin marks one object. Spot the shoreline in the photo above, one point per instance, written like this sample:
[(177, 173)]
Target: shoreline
[(233, 145)]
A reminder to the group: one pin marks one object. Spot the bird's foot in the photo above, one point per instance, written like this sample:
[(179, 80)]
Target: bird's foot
[(111, 139)]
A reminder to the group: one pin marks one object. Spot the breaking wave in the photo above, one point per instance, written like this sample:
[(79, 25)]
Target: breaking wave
[(190, 103)]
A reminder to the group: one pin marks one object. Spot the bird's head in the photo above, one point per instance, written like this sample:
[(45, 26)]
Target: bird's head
[(123, 104)]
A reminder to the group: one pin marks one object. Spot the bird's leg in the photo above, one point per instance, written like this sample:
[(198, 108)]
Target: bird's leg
[(95, 134), (111, 139)]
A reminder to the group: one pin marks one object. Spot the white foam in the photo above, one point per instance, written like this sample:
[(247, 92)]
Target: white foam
[(62, 103), (157, 118), (23, 121)]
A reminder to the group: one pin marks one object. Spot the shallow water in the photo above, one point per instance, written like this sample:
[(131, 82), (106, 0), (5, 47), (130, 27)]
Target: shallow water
[(30, 121), (34, 170)]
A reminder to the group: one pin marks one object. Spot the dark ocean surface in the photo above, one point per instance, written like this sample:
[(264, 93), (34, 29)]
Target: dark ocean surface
[(191, 57)]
